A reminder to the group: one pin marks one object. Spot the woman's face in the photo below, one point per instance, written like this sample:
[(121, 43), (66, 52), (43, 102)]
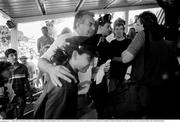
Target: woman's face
[(83, 62), (119, 31), (138, 26)]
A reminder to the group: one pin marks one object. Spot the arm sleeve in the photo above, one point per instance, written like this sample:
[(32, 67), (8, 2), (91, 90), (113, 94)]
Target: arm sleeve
[(137, 43), (57, 43)]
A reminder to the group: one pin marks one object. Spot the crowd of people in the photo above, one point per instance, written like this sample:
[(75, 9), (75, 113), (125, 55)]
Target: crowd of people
[(83, 74)]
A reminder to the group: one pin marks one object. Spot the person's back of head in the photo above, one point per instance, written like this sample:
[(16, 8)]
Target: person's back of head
[(150, 24)]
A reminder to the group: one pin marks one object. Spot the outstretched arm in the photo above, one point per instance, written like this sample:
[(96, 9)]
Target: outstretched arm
[(54, 71), (133, 48)]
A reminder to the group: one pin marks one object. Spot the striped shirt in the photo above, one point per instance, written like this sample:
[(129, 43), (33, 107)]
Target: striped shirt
[(19, 79)]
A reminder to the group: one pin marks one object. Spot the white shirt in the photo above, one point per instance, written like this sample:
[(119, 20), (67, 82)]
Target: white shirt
[(57, 43)]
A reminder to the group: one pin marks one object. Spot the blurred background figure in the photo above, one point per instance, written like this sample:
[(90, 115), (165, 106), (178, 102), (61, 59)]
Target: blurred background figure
[(42, 77), (65, 30), (44, 40), (131, 34), (30, 66), (5, 74)]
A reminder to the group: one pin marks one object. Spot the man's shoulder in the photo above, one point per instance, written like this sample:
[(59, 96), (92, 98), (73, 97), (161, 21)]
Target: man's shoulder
[(40, 38), (64, 36)]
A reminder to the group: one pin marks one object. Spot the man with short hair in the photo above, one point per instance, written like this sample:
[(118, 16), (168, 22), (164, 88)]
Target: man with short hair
[(44, 40), (43, 43), (84, 25), (20, 85)]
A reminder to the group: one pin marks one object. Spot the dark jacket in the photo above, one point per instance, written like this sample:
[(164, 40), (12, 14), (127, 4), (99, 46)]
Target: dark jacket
[(58, 102)]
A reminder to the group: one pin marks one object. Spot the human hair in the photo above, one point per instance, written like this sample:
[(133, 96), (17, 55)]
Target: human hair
[(151, 26), (153, 31), (105, 19), (119, 22), (81, 44), (79, 17), (9, 51), (44, 27)]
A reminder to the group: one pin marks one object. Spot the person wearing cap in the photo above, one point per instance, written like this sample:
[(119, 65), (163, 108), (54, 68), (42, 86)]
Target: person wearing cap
[(84, 25), (20, 84), (5, 74), (61, 102), (31, 69)]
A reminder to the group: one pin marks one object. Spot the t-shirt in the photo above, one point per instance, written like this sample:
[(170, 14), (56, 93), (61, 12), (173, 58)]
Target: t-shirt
[(118, 69), (137, 43), (42, 42), (136, 48)]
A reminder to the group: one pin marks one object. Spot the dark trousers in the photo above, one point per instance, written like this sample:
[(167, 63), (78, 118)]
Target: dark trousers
[(16, 107)]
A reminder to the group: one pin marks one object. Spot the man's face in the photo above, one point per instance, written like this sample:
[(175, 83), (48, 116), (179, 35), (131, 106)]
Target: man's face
[(106, 29), (87, 27), (12, 58), (44, 31), (83, 61), (119, 31)]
